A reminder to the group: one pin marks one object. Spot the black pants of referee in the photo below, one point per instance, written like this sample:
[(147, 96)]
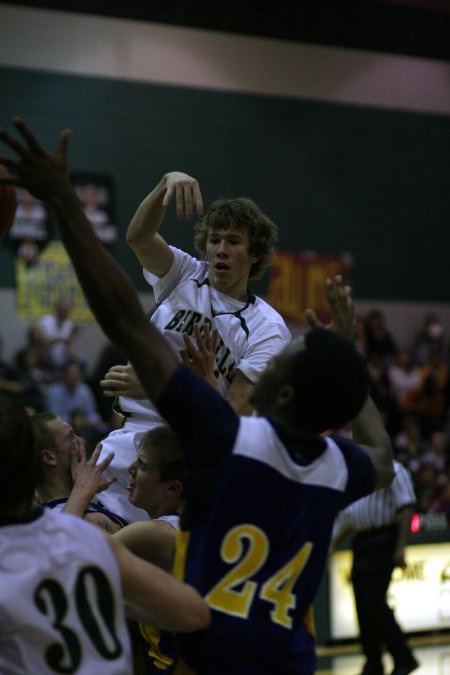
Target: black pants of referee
[(372, 568)]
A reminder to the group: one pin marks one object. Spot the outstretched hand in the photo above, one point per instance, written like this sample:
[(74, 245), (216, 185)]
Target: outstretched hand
[(87, 474), (200, 353), (43, 174), (339, 298), (187, 194)]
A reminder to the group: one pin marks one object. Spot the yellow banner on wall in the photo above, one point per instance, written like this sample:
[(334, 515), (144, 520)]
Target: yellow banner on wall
[(48, 278), (297, 282)]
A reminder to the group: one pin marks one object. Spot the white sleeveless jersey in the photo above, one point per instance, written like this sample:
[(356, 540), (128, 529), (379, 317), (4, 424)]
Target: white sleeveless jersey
[(61, 609), (250, 333)]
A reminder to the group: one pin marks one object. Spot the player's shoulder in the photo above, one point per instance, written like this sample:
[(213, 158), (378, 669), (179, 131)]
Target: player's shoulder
[(264, 314)]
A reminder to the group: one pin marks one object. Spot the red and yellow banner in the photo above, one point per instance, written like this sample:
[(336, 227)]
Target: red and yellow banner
[(297, 283)]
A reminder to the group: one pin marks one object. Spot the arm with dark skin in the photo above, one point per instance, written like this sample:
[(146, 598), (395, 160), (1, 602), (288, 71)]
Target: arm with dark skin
[(368, 430), (403, 518), (107, 288)]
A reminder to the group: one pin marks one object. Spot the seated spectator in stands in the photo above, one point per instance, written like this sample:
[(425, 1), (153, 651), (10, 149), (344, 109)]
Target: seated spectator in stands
[(426, 483), (66, 475), (35, 341), (379, 340), (409, 443), (71, 355), (429, 340), (9, 383), (33, 381), (428, 400), (440, 502), (71, 396), (57, 328), (403, 374), (438, 451)]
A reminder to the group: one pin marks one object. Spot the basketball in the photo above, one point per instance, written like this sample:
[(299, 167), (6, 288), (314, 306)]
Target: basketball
[(8, 205)]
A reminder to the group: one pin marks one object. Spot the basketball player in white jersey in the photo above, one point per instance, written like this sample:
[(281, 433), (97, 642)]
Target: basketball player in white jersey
[(235, 241)]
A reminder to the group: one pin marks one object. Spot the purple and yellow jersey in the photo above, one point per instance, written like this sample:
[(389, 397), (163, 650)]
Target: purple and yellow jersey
[(256, 546)]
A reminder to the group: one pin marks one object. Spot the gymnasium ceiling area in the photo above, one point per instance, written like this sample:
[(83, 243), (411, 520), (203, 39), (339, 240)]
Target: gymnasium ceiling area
[(409, 27)]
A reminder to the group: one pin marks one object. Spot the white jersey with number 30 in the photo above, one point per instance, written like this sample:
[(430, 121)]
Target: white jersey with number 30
[(61, 609)]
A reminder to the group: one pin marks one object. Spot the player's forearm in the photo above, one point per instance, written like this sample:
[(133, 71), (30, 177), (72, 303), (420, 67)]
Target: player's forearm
[(148, 218), (368, 431), (78, 501)]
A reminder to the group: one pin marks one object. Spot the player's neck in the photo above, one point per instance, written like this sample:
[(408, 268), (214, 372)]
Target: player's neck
[(237, 290), (304, 445), (56, 487)]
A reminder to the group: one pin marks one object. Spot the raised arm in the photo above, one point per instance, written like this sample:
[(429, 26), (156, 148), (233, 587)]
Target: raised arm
[(367, 428), (150, 247), (107, 288)]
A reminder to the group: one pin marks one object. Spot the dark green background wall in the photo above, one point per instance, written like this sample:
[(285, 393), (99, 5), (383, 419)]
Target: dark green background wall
[(336, 178)]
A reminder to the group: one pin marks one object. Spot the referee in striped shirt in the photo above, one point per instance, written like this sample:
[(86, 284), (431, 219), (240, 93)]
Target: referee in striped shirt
[(380, 524)]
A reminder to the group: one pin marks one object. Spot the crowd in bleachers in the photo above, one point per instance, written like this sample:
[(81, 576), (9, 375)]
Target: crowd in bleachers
[(48, 374), (411, 387)]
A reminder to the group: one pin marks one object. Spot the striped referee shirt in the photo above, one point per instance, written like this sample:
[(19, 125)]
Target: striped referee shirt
[(380, 508)]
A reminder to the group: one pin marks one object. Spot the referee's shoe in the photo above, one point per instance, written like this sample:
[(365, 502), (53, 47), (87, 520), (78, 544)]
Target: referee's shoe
[(405, 668)]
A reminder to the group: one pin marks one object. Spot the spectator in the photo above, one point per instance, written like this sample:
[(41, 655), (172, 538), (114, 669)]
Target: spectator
[(429, 340), (428, 400), (72, 397), (57, 329), (403, 374), (379, 340), (33, 381), (9, 382)]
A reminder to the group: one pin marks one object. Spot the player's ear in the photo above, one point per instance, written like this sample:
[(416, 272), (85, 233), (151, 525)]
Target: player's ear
[(175, 487), (48, 457), (285, 395)]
